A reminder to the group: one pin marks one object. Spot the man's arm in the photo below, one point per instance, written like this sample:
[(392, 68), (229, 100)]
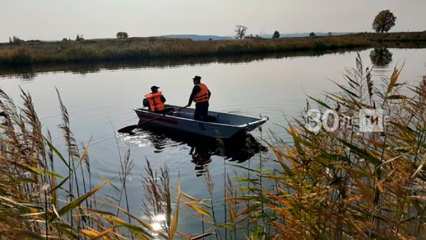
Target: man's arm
[(163, 99), (194, 93)]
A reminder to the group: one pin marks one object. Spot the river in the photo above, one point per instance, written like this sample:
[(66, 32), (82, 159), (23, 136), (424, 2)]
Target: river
[(101, 102)]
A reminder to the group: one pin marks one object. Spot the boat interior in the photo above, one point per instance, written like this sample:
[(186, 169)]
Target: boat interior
[(216, 117)]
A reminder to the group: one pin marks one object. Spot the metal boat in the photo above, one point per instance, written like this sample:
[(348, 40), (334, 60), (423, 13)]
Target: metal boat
[(218, 125)]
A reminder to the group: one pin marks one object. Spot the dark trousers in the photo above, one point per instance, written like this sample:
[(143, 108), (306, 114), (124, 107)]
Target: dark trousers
[(201, 111)]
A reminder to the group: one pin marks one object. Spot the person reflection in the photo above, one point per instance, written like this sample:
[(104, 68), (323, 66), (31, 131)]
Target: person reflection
[(201, 157), (159, 142), (202, 149)]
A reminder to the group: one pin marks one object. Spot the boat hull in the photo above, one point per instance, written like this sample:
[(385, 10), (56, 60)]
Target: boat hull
[(202, 128)]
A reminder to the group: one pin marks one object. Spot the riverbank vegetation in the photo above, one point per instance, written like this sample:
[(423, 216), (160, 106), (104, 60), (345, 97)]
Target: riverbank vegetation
[(342, 184), (27, 53), (348, 184)]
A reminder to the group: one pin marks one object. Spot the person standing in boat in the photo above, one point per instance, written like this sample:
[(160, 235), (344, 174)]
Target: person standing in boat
[(154, 100), (201, 96)]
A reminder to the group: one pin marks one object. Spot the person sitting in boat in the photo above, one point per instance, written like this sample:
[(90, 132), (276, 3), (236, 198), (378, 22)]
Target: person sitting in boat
[(201, 96), (154, 100)]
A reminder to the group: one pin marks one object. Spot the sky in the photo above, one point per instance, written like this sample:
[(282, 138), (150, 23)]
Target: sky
[(56, 19)]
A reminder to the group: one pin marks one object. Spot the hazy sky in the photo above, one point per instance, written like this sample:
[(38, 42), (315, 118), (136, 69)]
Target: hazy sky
[(55, 19)]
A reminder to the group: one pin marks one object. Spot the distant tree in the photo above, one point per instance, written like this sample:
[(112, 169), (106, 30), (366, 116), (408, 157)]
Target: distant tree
[(276, 35), (330, 34), (79, 37), (122, 35), (255, 37), (250, 36), (312, 34), (15, 40), (240, 31), (384, 21)]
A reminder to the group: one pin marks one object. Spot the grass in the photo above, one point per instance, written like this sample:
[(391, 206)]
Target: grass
[(143, 49)]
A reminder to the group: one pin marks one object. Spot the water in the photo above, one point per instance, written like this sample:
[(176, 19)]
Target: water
[(101, 102)]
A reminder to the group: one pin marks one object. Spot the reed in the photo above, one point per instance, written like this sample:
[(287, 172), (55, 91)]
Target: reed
[(346, 184), (36, 201)]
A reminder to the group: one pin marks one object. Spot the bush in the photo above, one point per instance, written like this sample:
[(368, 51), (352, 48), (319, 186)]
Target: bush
[(122, 35), (276, 35), (17, 57)]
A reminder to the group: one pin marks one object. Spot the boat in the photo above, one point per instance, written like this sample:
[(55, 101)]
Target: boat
[(218, 125)]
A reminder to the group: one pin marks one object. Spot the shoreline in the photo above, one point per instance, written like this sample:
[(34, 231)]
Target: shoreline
[(29, 71), (98, 51)]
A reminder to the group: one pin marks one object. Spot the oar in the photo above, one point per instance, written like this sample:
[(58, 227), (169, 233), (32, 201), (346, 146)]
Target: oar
[(129, 129)]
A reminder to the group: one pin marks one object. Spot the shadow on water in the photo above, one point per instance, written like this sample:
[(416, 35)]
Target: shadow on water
[(202, 149), (30, 72)]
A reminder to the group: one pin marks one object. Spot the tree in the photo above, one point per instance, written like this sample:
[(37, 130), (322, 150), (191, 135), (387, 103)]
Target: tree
[(240, 31), (122, 35), (79, 37), (312, 34), (15, 40), (384, 21), (276, 35)]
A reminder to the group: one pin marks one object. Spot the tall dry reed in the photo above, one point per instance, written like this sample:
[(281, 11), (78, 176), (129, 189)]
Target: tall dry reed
[(347, 184), (36, 201)]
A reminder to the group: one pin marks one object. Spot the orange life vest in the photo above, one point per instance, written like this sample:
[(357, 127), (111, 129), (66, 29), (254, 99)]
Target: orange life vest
[(203, 94), (154, 101)]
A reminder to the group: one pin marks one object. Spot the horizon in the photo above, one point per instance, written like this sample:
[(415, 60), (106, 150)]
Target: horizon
[(190, 34), (53, 20)]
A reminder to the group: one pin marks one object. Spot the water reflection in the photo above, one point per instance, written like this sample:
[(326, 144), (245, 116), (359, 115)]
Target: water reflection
[(381, 57), (202, 149), (30, 72)]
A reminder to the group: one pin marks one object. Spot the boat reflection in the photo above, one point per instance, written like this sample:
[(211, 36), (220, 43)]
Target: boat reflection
[(202, 149)]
